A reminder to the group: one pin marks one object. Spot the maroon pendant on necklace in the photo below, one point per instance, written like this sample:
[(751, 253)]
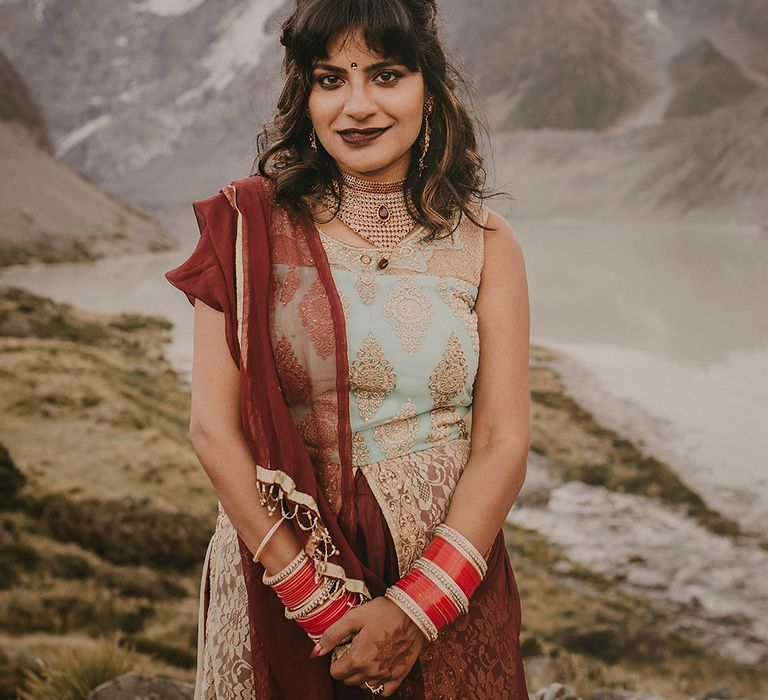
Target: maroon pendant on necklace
[(384, 216)]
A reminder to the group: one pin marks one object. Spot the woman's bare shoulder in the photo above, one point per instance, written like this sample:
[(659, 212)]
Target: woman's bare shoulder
[(501, 229), (503, 253)]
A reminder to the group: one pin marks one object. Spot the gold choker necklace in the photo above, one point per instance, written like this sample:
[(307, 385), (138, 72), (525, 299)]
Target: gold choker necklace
[(376, 211)]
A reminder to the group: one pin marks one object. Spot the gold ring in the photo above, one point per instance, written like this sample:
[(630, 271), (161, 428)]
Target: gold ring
[(342, 647), (375, 689)]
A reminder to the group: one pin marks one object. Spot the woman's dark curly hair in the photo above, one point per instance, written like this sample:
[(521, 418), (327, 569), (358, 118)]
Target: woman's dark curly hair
[(407, 31)]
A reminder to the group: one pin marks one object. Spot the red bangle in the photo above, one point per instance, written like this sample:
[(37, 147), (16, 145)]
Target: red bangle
[(430, 597), (454, 563), (316, 623), (328, 614), (298, 587)]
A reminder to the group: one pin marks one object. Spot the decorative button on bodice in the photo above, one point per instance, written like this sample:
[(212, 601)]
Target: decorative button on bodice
[(382, 263)]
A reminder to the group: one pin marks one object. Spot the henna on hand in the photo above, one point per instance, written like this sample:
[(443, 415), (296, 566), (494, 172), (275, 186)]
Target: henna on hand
[(394, 652)]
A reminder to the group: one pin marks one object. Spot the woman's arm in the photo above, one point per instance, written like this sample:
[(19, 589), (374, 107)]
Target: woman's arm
[(500, 434), (215, 430)]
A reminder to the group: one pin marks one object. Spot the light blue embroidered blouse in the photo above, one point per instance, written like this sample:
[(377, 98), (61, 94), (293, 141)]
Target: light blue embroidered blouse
[(412, 339)]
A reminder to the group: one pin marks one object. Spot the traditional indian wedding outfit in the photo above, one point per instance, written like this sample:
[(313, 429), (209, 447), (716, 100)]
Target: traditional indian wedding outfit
[(356, 377)]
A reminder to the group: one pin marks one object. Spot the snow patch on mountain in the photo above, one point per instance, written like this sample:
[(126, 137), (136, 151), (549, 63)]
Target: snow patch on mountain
[(73, 138), (239, 47)]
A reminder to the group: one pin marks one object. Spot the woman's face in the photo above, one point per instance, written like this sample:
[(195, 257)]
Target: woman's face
[(370, 96)]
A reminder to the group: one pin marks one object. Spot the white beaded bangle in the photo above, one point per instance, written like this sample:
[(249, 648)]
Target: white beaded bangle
[(411, 608), (471, 552), (286, 572)]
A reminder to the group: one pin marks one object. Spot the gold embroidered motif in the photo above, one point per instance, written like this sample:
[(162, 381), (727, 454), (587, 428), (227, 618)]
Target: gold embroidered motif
[(461, 303), (409, 311), (345, 305), (367, 287), (468, 264), (360, 452), (450, 375), (459, 256), (290, 285), (372, 377), (414, 492), (441, 422), (415, 254), (318, 428), (399, 435), (329, 479), (315, 315), (355, 259), (295, 382)]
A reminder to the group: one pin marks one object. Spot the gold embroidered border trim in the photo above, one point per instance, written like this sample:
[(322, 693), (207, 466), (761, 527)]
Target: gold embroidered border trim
[(231, 194)]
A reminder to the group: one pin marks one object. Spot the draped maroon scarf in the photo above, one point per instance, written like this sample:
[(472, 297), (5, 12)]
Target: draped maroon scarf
[(301, 443)]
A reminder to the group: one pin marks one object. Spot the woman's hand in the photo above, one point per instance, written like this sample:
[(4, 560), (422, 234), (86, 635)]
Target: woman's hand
[(385, 645)]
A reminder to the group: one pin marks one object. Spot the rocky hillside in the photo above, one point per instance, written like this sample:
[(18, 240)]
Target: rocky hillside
[(708, 168), (53, 213), (18, 107), (155, 105), (704, 80), (547, 63), (106, 513)]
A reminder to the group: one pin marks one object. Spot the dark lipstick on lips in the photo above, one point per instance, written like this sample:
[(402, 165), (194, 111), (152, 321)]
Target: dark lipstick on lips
[(360, 136)]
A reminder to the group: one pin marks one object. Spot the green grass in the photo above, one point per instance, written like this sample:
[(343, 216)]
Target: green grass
[(125, 532), (73, 674), (580, 449)]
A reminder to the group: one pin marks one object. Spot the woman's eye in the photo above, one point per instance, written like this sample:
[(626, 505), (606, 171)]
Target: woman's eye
[(395, 76), (325, 77), (330, 80)]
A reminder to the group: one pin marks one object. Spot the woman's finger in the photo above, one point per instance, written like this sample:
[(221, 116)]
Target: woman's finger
[(337, 633)]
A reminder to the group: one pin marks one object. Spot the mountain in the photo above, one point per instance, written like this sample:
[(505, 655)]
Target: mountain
[(705, 79), (163, 98), (547, 63), (52, 212), (708, 168), (18, 107)]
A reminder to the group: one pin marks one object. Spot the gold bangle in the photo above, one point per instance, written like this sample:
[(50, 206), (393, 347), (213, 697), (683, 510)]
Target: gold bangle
[(269, 534)]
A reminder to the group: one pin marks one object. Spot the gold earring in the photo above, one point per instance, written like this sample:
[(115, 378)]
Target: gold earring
[(312, 134), (428, 107)]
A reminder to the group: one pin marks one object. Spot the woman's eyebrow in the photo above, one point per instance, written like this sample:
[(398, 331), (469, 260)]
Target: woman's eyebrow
[(367, 69)]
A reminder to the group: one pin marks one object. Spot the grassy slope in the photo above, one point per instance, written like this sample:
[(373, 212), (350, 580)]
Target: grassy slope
[(94, 419)]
